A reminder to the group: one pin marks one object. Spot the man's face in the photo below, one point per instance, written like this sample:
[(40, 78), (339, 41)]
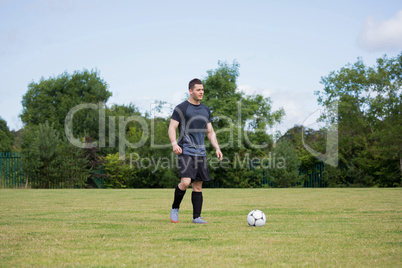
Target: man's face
[(197, 92)]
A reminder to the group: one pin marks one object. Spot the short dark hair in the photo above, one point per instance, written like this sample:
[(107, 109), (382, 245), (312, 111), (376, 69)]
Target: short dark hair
[(194, 82)]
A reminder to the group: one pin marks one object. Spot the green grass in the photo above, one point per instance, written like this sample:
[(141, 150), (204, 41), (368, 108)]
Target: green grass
[(305, 227)]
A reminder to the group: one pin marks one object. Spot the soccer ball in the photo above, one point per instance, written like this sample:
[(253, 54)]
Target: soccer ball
[(256, 218)]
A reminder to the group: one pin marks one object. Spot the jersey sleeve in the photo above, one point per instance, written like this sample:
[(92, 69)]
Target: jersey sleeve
[(209, 114), (179, 111), (176, 114)]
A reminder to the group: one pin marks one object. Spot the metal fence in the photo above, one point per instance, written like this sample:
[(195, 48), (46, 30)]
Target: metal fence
[(309, 178), (11, 174), (314, 176)]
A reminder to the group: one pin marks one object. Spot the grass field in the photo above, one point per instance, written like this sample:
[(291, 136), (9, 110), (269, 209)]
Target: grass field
[(305, 227)]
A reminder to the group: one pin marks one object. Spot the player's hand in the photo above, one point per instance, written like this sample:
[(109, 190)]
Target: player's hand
[(219, 154), (177, 149)]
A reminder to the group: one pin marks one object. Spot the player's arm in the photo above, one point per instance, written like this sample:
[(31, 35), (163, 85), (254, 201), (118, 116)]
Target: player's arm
[(172, 136), (212, 139)]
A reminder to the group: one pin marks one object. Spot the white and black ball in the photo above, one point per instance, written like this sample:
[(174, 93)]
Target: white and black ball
[(256, 218)]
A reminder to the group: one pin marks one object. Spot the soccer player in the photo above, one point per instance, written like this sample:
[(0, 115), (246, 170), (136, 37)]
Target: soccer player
[(193, 120)]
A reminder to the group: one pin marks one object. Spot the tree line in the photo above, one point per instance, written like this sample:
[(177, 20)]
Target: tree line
[(368, 123)]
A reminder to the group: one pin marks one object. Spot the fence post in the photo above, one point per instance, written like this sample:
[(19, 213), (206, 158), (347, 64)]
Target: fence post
[(1, 170)]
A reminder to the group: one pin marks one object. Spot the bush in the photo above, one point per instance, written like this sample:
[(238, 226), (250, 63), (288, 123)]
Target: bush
[(50, 161), (118, 172), (285, 172)]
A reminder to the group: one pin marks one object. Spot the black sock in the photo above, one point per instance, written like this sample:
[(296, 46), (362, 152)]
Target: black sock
[(196, 199), (178, 196)]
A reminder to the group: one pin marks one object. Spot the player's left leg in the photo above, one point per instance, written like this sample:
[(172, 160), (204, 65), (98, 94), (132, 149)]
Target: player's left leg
[(197, 200)]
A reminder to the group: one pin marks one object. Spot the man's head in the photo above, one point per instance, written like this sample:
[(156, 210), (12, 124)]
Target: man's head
[(196, 89), (194, 82)]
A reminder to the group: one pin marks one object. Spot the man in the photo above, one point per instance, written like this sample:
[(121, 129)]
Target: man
[(193, 120)]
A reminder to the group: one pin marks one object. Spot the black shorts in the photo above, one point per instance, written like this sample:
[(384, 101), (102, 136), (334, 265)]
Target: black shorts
[(194, 167)]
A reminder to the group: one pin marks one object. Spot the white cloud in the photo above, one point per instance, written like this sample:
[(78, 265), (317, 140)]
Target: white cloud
[(382, 35), (250, 90)]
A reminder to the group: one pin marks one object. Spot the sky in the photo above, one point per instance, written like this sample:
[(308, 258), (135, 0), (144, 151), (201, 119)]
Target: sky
[(150, 50)]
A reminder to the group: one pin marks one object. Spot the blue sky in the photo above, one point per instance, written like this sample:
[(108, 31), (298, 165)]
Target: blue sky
[(148, 50)]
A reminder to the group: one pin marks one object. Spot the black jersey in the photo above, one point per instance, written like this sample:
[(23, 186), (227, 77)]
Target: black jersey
[(193, 120)]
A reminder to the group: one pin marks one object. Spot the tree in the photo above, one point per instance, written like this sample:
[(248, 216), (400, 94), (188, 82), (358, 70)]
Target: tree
[(230, 105), (48, 155), (94, 162), (6, 137), (113, 115), (51, 100), (312, 138), (51, 160), (240, 121), (285, 172), (369, 119)]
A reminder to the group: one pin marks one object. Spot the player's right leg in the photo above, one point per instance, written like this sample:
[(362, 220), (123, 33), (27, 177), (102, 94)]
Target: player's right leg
[(179, 193)]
